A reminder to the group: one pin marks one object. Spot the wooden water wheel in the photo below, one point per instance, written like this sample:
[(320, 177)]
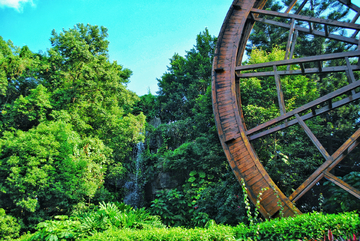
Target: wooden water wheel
[(228, 72)]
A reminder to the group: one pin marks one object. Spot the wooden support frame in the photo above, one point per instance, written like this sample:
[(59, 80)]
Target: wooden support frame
[(312, 137), (299, 72), (290, 38), (227, 75), (279, 92), (305, 107), (301, 7), (333, 160), (307, 19), (291, 5), (303, 60), (342, 184), (314, 112), (307, 31)]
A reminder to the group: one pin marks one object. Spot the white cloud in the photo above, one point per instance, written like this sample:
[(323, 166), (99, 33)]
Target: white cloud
[(17, 4)]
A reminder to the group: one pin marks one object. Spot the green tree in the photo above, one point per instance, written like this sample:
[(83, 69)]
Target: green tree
[(48, 169), (9, 228), (91, 89), (188, 145), (67, 124), (186, 79)]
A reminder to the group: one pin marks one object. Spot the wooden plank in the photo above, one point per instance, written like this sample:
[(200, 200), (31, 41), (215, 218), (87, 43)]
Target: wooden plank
[(237, 156), (292, 47), (256, 186), (305, 107), (342, 184), (345, 39), (253, 181), (350, 73), (320, 64), (236, 6), (312, 137), (355, 18), (236, 145), (291, 5), (288, 212), (302, 67), (307, 19), (272, 208), (279, 92), (288, 44), (344, 147), (249, 165), (326, 29), (267, 195), (319, 173), (311, 28), (301, 7), (343, 155), (352, 6), (239, 153), (245, 160), (298, 72), (230, 135), (250, 173), (305, 187), (303, 60), (306, 117), (232, 164)]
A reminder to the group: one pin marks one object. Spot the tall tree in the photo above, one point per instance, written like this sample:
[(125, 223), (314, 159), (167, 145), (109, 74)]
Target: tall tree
[(92, 90), (66, 124), (186, 79)]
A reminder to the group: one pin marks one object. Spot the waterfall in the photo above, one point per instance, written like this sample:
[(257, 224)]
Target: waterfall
[(133, 196)]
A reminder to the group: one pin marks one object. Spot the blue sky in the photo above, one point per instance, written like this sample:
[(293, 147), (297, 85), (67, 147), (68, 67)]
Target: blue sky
[(143, 35)]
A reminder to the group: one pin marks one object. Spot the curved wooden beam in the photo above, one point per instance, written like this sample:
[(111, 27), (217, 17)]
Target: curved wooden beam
[(228, 114)]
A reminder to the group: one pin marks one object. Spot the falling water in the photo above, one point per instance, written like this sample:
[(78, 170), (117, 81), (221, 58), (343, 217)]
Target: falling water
[(133, 195)]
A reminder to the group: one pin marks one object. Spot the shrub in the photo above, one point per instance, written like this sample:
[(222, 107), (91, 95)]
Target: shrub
[(216, 232), (9, 228), (310, 225), (107, 216)]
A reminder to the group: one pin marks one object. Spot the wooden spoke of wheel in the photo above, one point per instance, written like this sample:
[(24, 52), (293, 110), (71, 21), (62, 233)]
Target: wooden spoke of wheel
[(227, 74)]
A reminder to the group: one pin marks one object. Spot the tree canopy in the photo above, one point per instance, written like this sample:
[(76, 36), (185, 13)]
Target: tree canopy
[(66, 122)]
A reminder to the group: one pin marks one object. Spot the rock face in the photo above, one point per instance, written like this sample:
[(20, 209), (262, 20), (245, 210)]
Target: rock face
[(155, 122), (163, 181), (154, 143)]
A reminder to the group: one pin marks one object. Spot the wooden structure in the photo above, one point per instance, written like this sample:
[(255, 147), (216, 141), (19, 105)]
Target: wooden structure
[(228, 72)]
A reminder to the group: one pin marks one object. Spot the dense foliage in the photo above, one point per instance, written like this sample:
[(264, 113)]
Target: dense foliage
[(186, 142), (83, 224), (9, 228), (303, 227), (66, 125)]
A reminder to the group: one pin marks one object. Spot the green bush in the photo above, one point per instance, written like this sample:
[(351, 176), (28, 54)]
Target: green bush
[(106, 216), (9, 228), (310, 225), (48, 169), (314, 225), (120, 222), (217, 232)]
